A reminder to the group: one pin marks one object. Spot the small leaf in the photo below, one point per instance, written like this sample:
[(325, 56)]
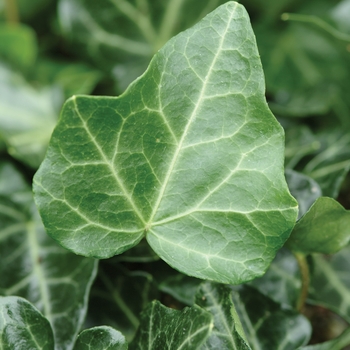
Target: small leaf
[(227, 332), (164, 328), (330, 282), (325, 228), (100, 338), (189, 156), (33, 266), (22, 326), (267, 325)]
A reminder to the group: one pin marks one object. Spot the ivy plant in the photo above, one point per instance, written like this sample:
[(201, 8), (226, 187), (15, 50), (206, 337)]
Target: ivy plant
[(180, 214)]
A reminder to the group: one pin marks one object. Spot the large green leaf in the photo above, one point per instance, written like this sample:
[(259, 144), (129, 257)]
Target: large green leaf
[(323, 229), (33, 266), (267, 325), (165, 328), (23, 327), (227, 332), (100, 338), (190, 157)]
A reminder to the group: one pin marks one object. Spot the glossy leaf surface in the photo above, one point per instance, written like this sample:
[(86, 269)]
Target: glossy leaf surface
[(325, 228), (33, 266), (227, 332), (23, 327), (165, 328), (267, 325), (189, 156), (100, 338)]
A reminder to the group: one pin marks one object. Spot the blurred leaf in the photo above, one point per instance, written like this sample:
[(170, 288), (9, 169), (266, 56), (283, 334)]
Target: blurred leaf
[(332, 162), (330, 282), (74, 78), (304, 189), (183, 175), (164, 328), (22, 326), (338, 343), (325, 228), (118, 297), (340, 14), (35, 267), (281, 282), (227, 332), (267, 325), (123, 35), (27, 117), (18, 46), (100, 338)]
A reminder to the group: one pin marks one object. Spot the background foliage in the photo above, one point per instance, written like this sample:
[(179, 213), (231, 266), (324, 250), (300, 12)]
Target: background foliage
[(50, 50)]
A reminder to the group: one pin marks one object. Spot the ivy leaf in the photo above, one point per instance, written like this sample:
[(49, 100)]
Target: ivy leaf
[(189, 156), (330, 282), (323, 229), (165, 328), (33, 266), (118, 296), (227, 332), (100, 338), (267, 325), (22, 326)]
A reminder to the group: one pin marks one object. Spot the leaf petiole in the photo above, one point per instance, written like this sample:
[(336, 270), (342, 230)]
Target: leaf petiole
[(305, 280)]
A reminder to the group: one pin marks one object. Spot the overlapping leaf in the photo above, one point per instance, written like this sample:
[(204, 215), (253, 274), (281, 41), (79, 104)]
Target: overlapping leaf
[(330, 283), (33, 265), (267, 325), (100, 338), (190, 157), (227, 332), (22, 326), (165, 328), (323, 229)]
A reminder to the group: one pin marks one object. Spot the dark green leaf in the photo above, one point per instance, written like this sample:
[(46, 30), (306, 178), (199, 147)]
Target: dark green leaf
[(126, 38), (33, 265), (325, 228), (164, 328), (227, 332), (330, 282), (23, 327), (190, 157), (267, 325), (100, 338), (119, 296), (281, 282)]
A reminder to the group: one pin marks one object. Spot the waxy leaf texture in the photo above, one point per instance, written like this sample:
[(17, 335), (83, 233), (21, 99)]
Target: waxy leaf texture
[(189, 156)]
